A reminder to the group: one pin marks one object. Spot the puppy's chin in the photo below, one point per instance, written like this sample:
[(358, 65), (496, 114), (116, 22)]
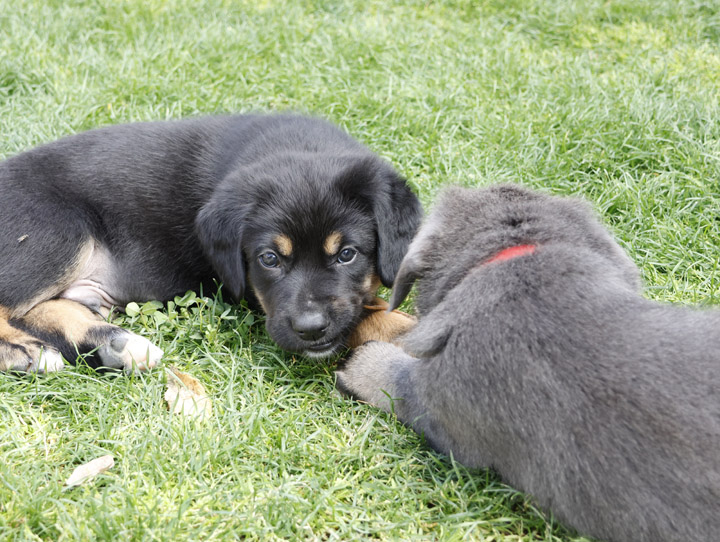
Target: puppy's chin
[(324, 349), (318, 350), (331, 350)]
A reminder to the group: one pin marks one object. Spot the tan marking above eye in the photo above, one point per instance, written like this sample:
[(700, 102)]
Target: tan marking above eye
[(332, 243), (284, 244)]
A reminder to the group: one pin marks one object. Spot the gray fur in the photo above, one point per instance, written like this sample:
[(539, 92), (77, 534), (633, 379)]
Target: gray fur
[(552, 369)]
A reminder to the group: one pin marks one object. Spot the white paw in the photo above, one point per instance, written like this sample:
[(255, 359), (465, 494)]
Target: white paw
[(49, 361), (130, 352)]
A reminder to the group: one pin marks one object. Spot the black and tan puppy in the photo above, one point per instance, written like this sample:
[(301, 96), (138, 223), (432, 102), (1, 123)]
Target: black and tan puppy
[(535, 354), (286, 209)]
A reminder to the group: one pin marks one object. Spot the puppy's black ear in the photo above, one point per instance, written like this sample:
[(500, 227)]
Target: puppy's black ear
[(396, 210), (219, 227), (398, 214)]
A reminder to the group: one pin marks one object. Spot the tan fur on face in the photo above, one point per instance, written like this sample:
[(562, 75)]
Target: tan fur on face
[(261, 300), (284, 244), (332, 243), (371, 284)]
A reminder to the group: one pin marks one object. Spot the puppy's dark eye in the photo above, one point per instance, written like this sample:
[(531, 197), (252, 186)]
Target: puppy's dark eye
[(269, 259), (346, 255)]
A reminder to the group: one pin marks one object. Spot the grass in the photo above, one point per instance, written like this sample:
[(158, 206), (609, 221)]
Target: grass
[(614, 101)]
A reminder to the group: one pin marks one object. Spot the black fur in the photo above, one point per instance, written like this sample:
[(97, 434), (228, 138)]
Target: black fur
[(173, 205)]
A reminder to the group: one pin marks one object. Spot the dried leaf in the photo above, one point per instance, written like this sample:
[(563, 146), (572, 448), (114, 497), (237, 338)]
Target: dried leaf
[(85, 472), (186, 395)]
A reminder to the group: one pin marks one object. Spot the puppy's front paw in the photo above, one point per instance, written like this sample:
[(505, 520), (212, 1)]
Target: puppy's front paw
[(130, 352), (371, 374)]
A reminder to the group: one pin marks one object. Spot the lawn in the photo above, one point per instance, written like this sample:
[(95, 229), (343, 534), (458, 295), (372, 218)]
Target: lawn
[(613, 101)]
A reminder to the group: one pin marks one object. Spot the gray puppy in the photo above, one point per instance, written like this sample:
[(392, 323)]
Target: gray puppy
[(536, 355)]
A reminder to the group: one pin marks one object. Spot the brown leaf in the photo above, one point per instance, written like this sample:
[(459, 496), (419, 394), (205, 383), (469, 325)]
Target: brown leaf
[(186, 395)]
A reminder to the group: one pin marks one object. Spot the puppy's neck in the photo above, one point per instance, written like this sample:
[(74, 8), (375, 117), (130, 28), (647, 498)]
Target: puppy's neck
[(510, 253)]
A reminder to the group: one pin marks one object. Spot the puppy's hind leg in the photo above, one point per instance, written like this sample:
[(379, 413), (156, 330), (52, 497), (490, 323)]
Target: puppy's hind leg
[(76, 330)]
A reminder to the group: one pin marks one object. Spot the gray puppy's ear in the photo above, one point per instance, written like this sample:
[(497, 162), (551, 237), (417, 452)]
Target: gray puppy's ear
[(411, 269), (414, 264)]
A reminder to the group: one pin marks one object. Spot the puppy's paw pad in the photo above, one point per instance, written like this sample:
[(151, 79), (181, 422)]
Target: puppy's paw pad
[(130, 352)]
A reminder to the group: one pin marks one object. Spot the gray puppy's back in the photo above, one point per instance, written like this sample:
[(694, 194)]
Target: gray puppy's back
[(551, 368)]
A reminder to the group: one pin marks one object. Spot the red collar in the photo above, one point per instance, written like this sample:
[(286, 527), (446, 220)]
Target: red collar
[(510, 253)]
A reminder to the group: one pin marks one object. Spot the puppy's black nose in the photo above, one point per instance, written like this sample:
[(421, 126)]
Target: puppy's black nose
[(310, 326)]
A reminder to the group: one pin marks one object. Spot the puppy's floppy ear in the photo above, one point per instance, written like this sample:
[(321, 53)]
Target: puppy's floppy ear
[(411, 269), (398, 214), (219, 227), (396, 210)]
